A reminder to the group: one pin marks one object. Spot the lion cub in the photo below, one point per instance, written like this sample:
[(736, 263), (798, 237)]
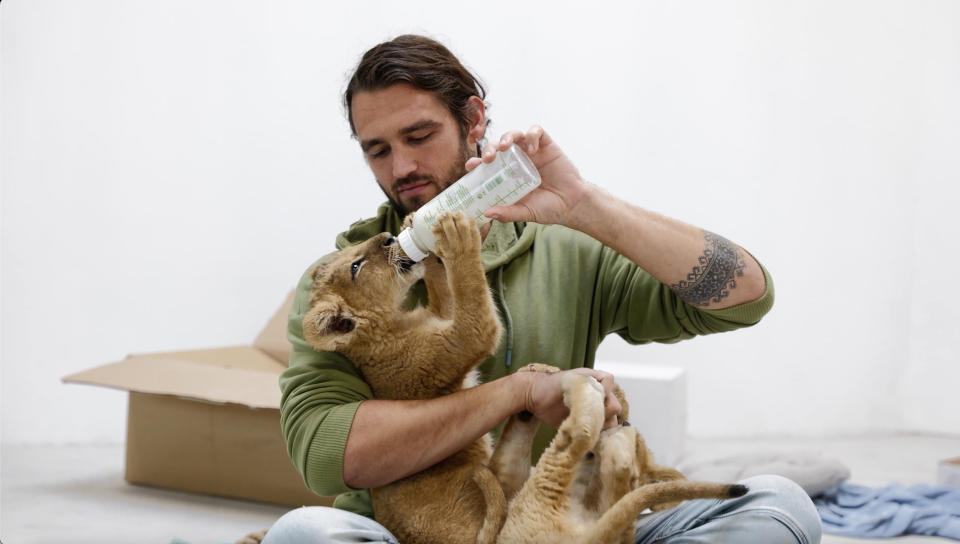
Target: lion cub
[(355, 309), (589, 485)]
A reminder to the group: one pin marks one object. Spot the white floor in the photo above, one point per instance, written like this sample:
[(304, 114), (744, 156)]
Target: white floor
[(76, 494)]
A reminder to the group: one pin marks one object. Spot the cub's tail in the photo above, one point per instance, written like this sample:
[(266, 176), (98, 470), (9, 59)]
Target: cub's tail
[(621, 517), (496, 513)]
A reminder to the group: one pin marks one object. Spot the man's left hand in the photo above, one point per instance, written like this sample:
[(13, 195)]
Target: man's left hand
[(561, 187)]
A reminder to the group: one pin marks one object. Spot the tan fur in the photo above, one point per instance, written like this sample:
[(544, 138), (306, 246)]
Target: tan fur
[(355, 309), (589, 485)]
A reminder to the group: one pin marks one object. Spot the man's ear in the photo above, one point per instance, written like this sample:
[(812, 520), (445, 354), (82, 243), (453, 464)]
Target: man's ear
[(478, 120)]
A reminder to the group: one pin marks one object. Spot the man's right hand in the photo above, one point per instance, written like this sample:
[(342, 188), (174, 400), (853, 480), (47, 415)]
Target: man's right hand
[(544, 396)]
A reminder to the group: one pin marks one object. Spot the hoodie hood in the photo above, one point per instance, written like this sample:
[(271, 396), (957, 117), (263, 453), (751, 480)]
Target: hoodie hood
[(503, 243)]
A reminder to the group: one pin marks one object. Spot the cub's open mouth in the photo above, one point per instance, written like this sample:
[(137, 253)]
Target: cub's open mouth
[(405, 264), (396, 256)]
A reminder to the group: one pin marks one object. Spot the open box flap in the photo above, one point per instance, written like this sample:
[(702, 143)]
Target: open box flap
[(245, 357), (195, 375)]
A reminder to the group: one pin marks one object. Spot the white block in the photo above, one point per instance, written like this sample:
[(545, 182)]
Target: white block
[(658, 405), (948, 472)]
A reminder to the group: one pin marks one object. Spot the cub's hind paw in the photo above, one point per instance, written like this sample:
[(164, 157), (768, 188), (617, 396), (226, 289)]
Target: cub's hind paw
[(582, 391), (539, 367), (253, 538), (583, 395)]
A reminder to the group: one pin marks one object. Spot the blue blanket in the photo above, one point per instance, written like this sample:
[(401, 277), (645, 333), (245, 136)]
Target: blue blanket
[(856, 510)]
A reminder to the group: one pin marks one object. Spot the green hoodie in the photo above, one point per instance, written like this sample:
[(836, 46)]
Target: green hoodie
[(559, 292)]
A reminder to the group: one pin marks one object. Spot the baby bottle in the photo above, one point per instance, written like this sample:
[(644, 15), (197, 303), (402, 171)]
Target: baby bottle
[(502, 182)]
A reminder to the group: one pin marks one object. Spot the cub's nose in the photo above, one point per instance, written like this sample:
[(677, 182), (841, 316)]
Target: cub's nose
[(389, 240)]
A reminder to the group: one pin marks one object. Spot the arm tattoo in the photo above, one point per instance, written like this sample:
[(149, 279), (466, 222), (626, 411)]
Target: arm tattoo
[(711, 281)]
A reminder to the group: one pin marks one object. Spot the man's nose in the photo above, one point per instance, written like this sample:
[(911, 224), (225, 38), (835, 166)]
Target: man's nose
[(403, 165)]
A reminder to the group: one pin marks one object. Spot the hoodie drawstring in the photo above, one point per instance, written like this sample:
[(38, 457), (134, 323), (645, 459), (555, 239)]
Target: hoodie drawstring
[(508, 321)]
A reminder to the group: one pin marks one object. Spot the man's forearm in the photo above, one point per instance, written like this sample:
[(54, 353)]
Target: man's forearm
[(704, 269), (393, 439)]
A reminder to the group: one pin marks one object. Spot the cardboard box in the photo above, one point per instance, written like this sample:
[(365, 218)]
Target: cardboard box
[(948, 472), (208, 421), (658, 405)]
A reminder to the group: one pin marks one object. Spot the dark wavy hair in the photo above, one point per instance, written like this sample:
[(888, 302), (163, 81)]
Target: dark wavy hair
[(423, 63)]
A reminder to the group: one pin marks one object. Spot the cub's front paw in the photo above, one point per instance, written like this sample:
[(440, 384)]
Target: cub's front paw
[(458, 237), (433, 271)]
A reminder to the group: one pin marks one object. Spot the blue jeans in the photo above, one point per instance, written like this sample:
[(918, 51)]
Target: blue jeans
[(775, 511)]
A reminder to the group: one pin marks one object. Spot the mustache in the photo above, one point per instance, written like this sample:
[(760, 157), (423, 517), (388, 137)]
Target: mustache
[(409, 180)]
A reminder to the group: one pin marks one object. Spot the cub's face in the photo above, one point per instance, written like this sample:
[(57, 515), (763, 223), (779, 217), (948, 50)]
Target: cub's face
[(357, 289), (622, 449), (614, 467)]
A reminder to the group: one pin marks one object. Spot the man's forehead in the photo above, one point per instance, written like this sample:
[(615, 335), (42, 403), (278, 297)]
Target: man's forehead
[(389, 112)]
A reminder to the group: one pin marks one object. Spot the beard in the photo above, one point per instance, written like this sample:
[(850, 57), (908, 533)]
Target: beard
[(407, 205)]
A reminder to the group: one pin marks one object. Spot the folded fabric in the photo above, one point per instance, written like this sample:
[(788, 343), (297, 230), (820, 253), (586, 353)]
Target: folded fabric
[(856, 510), (814, 472)]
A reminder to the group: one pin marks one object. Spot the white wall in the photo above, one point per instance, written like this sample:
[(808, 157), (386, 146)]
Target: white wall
[(170, 168)]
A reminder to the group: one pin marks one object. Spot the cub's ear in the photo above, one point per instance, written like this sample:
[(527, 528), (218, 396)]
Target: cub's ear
[(624, 405), (339, 324), (326, 322), (643, 457)]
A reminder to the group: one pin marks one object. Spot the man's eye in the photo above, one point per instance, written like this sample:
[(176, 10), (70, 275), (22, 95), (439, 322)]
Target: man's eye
[(420, 139), (378, 153)]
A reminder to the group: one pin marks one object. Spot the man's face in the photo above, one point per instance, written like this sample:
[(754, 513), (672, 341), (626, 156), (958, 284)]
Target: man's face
[(411, 141)]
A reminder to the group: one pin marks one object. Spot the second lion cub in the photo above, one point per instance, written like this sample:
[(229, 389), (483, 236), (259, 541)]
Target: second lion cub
[(356, 310)]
